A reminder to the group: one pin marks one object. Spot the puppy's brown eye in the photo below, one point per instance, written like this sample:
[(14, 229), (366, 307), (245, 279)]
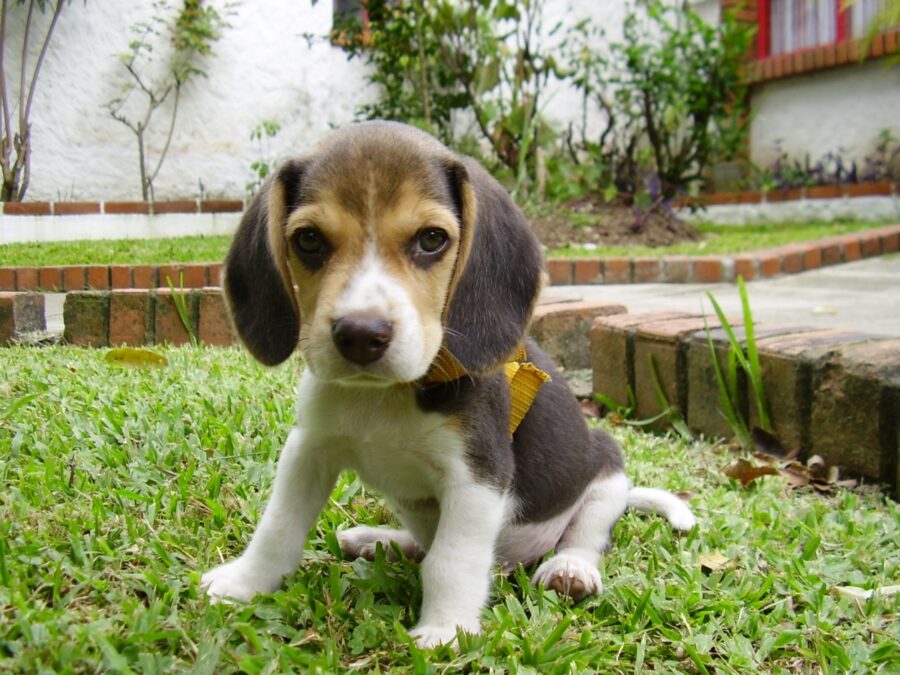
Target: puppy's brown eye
[(311, 246), (431, 239)]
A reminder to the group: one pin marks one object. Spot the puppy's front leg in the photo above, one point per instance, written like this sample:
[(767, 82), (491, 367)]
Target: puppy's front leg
[(456, 571), (302, 485)]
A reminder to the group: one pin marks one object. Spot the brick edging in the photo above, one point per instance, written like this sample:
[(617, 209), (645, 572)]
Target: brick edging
[(121, 207), (787, 259), (66, 278), (832, 393)]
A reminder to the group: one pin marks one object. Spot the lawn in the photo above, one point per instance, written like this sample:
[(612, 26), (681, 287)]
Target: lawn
[(719, 239), (122, 485), (732, 239)]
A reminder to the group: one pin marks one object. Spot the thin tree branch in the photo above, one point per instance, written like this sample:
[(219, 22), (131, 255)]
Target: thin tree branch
[(162, 155)]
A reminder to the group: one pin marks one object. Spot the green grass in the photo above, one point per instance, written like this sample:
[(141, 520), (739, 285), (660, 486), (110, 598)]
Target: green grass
[(731, 239), (122, 485), (719, 239), (115, 251)]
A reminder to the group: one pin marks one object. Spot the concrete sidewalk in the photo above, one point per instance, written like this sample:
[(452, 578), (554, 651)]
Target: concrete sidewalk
[(860, 296)]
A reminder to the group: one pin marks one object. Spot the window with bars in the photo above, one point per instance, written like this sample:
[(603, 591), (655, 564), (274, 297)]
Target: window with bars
[(790, 25)]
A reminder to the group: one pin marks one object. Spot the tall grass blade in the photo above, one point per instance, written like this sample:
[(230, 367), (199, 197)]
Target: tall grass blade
[(754, 371), (729, 408)]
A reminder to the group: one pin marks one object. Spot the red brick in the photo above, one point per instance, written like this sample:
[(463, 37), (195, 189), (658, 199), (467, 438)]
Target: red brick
[(214, 274), (890, 242), (26, 279), (20, 313), (791, 257), (120, 276), (73, 278), (86, 318), (27, 209), (50, 278), (812, 257), (870, 244), (168, 326), (562, 329), (612, 351), (746, 266), (784, 195), (560, 271), (194, 276), (708, 269), (144, 276), (617, 270), (169, 275), (126, 207), (587, 271), (214, 324), (849, 424), (661, 341), (881, 188), (678, 269), (75, 208), (647, 270), (130, 317), (7, 278), (850, 247), (831, 253), (221, 206), (824, 192), (175, 206), (98, 277)]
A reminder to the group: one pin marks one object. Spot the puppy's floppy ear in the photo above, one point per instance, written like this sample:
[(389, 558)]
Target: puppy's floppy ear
[(257, 282), (498, 275)]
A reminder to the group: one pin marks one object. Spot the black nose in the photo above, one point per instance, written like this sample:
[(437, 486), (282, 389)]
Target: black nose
[(362, 339)]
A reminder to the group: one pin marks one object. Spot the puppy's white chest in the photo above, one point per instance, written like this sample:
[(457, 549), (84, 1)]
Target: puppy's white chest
[(382, 435)]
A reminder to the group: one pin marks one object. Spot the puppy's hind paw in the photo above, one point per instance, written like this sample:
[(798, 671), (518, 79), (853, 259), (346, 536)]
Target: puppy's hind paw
[(569, 575)]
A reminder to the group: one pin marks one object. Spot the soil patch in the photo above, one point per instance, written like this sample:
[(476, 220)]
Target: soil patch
[(592, 222)]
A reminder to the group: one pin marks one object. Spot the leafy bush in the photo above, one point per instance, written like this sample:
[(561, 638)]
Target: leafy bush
[(672, 92), (433, 59)]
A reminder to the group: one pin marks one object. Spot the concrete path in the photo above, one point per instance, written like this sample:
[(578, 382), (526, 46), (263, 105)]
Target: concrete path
[(860, 296)]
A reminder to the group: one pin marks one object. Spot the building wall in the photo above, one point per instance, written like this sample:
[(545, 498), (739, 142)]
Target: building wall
[(837, 110), (263, 68)]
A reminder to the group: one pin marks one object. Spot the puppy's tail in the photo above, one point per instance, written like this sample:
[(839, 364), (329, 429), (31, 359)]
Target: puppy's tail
[(652, 500)]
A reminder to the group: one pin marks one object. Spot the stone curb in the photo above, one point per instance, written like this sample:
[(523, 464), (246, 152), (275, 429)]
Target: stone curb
[(677, 269), (762, 264), (831, 393), (20, 313)]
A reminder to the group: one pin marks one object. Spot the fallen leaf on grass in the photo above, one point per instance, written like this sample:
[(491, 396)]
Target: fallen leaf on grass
[(746, 472), (862, 594), (712, 562), (139, 358)]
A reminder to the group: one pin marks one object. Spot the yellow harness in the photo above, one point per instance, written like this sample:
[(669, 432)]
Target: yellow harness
[(523, 378)]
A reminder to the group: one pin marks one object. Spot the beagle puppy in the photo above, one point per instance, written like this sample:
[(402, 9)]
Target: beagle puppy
[(407, 278)]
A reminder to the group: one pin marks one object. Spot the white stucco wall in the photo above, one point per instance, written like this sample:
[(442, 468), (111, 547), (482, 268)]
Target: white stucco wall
[(834, 110), (262, 68)]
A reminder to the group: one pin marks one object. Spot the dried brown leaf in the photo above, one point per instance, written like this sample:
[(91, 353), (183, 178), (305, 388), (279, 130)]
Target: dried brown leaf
[(746, 472), (712, 562)]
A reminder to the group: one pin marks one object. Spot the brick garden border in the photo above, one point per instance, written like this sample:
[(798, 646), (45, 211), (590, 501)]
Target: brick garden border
[(788, 259), (833, 393), (121, 207)]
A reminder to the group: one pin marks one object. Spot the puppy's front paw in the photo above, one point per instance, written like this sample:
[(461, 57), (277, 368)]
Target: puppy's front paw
[(238, 580), (569, 575), (429, 635)]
